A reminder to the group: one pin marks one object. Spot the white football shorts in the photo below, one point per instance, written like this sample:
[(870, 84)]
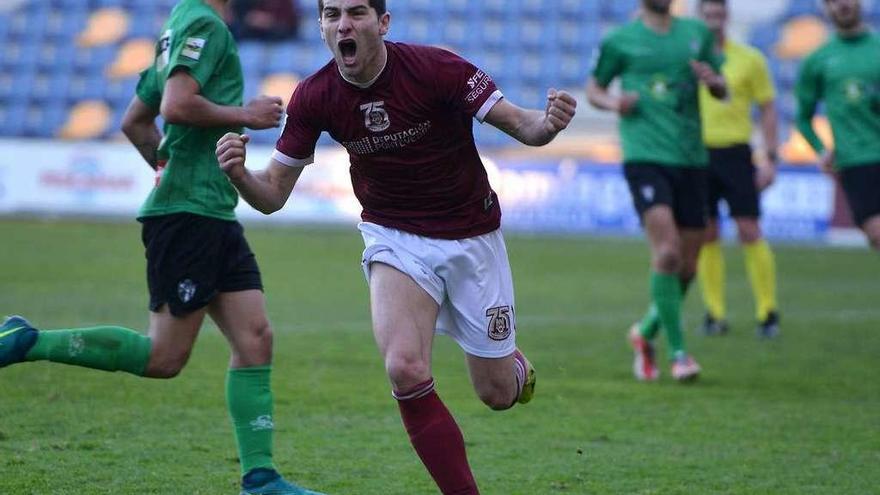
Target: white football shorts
[(469, 278)]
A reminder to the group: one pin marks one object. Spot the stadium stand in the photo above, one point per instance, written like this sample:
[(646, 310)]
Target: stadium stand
[(61, 53)]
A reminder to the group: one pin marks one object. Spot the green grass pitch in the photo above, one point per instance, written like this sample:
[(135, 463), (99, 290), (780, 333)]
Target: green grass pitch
[(797, 415)]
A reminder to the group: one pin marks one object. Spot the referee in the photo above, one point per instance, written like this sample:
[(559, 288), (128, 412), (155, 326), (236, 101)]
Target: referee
[(727, 129)]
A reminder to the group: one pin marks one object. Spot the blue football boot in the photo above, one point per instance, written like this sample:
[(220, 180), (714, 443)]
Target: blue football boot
[(262, 481), (17, 336)]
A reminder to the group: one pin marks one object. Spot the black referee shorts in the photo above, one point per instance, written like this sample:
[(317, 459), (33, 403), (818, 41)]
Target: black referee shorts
[(861, 183), (681, 188), (191, 258), (732, 178)]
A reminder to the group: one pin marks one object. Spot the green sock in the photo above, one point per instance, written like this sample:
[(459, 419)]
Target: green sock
[(650, 324), (667, 294), (100, 348), (249, 399)]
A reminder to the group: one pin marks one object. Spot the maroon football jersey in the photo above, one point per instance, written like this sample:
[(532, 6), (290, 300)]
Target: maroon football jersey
[(414, 164)]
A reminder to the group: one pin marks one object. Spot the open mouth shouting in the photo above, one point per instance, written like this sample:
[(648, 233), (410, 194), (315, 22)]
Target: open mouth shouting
[(348, 51)]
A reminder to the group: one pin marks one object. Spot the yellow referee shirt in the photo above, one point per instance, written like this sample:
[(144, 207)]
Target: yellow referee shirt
[(728, 123)]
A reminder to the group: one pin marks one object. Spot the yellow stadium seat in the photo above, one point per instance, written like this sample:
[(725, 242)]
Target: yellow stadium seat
[(105, 26), (133, 57), (280, 84), (801, 36), (87, 120), (798, 150)]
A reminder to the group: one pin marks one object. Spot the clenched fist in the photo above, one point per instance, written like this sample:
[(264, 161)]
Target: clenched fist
[(264, 112), (560, 110), (231, 151)]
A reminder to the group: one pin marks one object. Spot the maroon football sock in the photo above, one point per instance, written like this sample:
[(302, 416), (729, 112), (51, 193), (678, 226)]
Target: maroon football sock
[(437, 439)]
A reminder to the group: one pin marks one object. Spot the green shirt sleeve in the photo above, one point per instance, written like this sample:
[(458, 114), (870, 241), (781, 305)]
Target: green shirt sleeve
[(808, 92), (199, 48), (148, 88), (708, 54), (609, 63)]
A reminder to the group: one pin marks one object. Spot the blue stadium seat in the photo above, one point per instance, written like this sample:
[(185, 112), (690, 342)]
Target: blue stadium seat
[(589, 11), (12, 118), (252, 55), (803, 7), (618, 11), (86, 87), (93, 60), (49, 86), (43, 119)]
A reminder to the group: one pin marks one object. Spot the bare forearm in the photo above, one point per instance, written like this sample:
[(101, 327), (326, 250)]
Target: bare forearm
[(198, 111), (146, 138), (257, 189), (600, 98), (769, 126), (532, 131)]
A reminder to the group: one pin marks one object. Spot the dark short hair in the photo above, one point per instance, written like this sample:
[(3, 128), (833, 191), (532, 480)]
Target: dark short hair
[(719, 2), (378, 5)]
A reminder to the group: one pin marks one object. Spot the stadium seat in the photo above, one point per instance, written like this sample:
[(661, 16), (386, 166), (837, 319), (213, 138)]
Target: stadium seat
[(12, 116), (104, 26), (281, 84), (800, 36), (86, 120), (133, 57), (618, 11)]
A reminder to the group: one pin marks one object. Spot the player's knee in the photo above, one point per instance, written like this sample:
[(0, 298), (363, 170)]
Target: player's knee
[(406, 371), (496, 398), (668, 259), (748, 232), (166, 365)]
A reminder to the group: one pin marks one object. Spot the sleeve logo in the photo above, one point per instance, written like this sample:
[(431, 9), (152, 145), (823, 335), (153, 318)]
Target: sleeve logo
[(163, 55), (478, 84), (192, 48), (375, 117)]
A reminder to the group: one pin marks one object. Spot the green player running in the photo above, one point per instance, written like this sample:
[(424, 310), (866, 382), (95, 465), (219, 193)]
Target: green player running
[(845, 74), (660, 60), (198, 261)]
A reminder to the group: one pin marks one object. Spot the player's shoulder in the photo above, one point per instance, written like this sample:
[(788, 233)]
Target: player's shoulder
[(746, 51), (421, 54), (822, 52), (619, 34), (694, 25)]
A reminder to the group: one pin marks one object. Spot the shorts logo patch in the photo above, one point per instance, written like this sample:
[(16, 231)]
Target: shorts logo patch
[(500, 323), (648, 193), (186, 290)]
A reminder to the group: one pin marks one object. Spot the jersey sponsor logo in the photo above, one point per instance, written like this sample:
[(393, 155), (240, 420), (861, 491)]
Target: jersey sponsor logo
[(387, 142), (164, 55), (192, 48), (500, 322), (478, 83), (186, 290), (375, 117)]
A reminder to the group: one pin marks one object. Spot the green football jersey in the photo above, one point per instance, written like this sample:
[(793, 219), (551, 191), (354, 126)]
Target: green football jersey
[(845, 74), (194, 39), (664, 127)]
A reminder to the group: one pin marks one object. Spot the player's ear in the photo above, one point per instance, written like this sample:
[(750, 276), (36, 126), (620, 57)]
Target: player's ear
[(384, 23)]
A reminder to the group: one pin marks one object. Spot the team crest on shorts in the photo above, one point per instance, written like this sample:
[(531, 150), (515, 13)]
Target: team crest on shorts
[(500, 324), (375, 117), (186, 289)]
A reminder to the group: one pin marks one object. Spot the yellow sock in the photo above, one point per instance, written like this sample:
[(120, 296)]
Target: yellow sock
[(761, 268), (710, 271)]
